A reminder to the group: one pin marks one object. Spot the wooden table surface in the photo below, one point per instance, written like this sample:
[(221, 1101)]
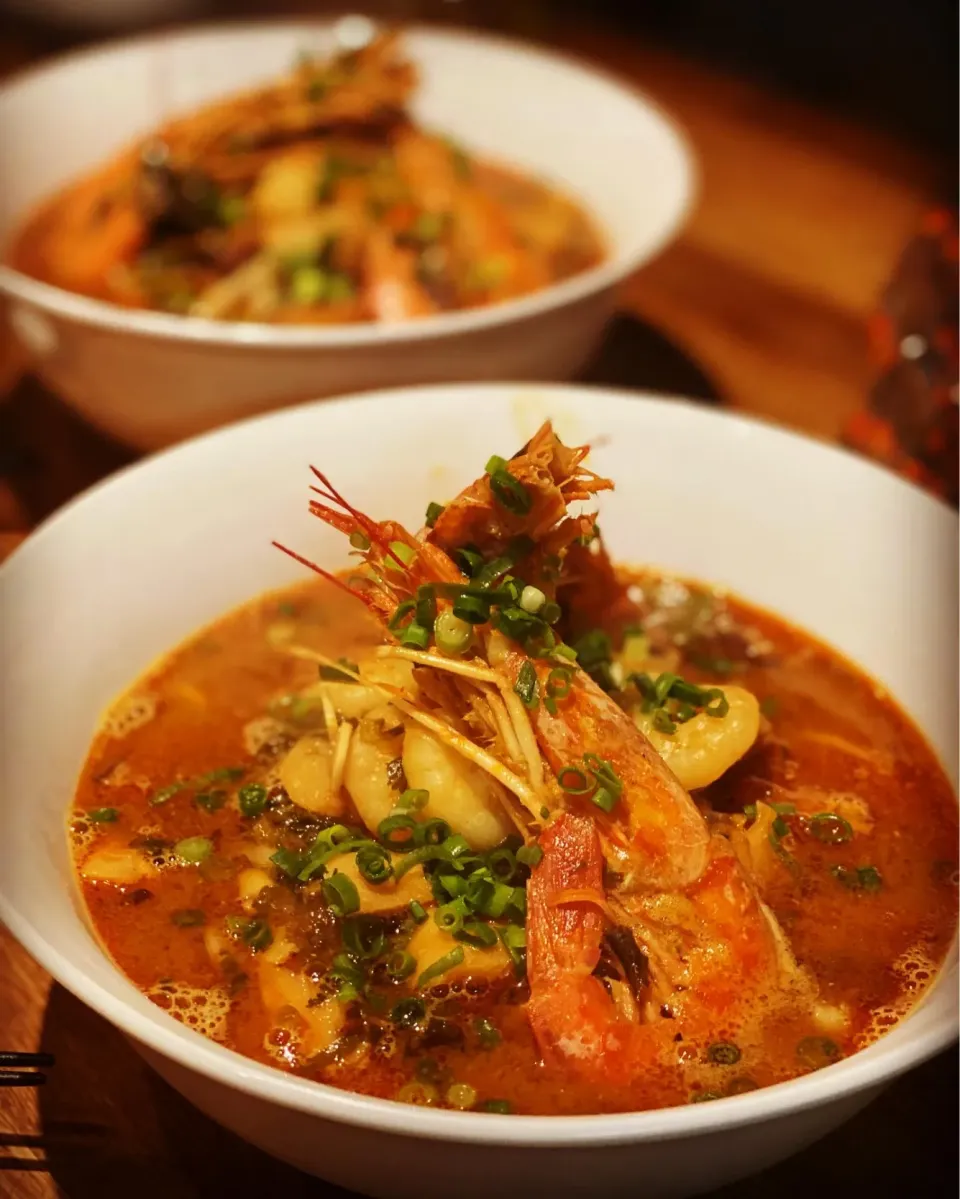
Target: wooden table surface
[(760, 305)]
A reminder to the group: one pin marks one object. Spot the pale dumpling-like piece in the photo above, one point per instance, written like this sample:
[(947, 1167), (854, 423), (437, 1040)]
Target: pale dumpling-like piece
[(462, 794)]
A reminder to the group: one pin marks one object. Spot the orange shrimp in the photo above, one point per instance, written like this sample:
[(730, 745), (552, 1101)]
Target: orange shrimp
[(573, 1018), (493, 261), (716, 960), (99, 227), (554, 477), (655, 837), (391, 289), (650, 864)]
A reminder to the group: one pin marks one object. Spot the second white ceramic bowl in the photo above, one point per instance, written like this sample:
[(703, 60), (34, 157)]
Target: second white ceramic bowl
[(122, 575), (151, 379)]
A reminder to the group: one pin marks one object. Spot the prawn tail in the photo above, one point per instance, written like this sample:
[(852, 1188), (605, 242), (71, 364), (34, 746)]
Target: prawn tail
[(575, 1021), (568, 1007)]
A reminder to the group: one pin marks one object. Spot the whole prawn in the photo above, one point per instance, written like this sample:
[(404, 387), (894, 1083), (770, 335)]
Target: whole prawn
[(649, 864)]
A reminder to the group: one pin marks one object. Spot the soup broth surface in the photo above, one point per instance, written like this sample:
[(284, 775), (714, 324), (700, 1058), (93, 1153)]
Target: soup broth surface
[(189, 791)]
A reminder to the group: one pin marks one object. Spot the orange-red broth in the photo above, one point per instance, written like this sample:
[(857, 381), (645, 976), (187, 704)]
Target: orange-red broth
[(828, 727)]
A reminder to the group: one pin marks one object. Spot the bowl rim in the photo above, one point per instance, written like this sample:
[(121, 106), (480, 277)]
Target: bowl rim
[(616, 267), (868, 1069)]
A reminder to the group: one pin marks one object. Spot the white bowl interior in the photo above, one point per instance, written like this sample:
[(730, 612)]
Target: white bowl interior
[(544, 113), (842, 548)]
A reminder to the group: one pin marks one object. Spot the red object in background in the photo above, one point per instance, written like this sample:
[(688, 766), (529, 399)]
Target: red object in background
[(911, 421)]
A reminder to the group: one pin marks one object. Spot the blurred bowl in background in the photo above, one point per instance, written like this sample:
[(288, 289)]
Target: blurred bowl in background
[(151, 379), (101, 15)]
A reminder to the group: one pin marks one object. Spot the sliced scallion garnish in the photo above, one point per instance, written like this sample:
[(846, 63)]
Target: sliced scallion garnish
[(527, 686), (441, 966), (103, 815), (341, 894)]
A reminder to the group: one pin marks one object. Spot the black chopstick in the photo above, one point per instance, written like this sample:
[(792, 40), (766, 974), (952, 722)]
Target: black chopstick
[(22, 1078), (15, 1069), (25, 1059)]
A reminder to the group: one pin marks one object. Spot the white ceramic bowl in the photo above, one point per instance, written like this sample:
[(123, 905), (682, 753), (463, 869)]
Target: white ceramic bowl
[(123, 574), (151, 378)]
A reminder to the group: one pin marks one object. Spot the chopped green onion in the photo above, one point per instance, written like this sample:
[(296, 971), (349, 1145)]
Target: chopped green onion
[(532, 599), (399, 557), (188, 917), (341, 895), (830, 828), (551, 612), (400, 965), (166, 793), (441, 966), (431, 832), (289, 862), (423, 853), (223, 774), (426, 610), (434, 512), (502, 864), (527, 686), (428, 226), (595, 654), (330, 843), (103, 815), (530, 855), (559, 681), (210, 801), (193, 850), (716, 703), (255, 934), (663, 723), (363, 937), (514, 939), (723, 1053), (231, 209), (308, 285), (252, 799), (605, 800), (862, 878), (461, 1096), (573, 780), (397, 832), (408, 1012), (415, 635), (400, 612), (477, 934), (471, 609), (450, 916), (497, 1107), (413, 799), (471, 561), (373, 864), (487, 1032), (817, 1052), (509, 492), (339, 287), (453, 635), (417, 911)]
